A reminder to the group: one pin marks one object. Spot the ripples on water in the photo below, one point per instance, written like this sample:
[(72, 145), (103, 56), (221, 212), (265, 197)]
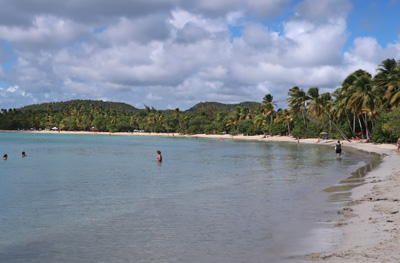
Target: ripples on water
[(81, 198)]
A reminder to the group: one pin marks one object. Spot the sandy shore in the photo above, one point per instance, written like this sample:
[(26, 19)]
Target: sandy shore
[(371, 222)]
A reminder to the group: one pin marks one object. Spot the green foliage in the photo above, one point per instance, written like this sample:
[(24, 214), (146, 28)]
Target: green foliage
[(100, 123), (246, 127), (224, 107), (99, 104), (197, 124), (387, 127)]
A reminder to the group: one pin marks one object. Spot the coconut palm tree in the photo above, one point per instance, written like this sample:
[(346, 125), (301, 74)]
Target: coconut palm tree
[(364, 98), (387, 82), (285, 117), (244, 113), (298, 101), (393, 93), (232, 121), (320, 105), (342, 96), (268, 107), (259, 123)]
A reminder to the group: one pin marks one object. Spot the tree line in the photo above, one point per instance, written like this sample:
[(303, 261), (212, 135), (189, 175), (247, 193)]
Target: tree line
[(363, 107)]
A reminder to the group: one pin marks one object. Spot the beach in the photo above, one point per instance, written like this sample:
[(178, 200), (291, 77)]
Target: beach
[(370, 222)]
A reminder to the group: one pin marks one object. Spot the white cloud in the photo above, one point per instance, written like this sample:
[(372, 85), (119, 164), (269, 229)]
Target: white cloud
[(322, 10), (178, 53), (45, 32), (12, 89)]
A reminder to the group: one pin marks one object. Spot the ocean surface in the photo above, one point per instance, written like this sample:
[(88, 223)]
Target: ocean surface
[(100, 198)]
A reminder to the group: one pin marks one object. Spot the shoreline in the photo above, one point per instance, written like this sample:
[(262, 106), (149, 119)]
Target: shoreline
[(370, 223)]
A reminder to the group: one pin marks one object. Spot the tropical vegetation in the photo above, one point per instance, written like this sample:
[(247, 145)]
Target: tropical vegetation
[(362, 107)]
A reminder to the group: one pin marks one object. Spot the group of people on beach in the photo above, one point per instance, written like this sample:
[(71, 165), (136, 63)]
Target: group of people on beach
[(5, 156)]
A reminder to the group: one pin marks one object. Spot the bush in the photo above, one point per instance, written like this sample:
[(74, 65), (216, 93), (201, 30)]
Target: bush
[(387, 127), (246, 127)]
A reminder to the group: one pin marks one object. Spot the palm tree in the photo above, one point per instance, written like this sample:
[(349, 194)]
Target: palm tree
[(387, 82), (259, 123), (320, 104), (268, 107), (285, 117), (364, 98), (364, 94), (178, 116), (232, 121), (244, 113), (393, 93), (342, 96), (298, 101)]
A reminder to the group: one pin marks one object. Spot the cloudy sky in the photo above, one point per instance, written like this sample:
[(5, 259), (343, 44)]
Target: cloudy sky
[(176, 53)]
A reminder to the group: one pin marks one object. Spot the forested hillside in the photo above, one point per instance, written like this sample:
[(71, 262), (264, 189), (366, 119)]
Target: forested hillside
[(58, 106)]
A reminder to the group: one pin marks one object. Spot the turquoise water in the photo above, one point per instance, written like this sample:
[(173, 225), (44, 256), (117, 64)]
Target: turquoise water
[(99, 198)]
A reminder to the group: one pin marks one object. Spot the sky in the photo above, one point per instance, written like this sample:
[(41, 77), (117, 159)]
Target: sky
[(175, 53)]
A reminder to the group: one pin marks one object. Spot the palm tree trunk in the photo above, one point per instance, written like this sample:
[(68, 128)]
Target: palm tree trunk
[(372, 119), (368, 134), (348, 121), (304, 119), (337, 128), (361, 127), (270, 125)]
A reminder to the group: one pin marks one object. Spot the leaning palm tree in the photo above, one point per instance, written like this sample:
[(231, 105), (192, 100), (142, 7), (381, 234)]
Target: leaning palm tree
[(342, 96), (319, 106)]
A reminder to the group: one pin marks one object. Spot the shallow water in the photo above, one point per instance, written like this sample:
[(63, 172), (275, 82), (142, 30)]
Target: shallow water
[(83, 198)]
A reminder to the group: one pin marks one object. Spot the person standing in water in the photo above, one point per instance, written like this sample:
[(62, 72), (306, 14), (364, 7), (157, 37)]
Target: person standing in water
[(338, 149), (5, 157), (23, 154), (159, 157)]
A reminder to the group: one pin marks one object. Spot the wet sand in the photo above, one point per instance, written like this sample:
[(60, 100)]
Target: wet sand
[(370, 223)]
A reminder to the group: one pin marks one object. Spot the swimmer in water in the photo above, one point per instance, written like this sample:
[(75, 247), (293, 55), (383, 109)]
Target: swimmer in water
[(159, 157)]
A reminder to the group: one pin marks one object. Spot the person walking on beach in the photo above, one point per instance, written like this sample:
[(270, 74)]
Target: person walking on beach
[(159, 157), (398, 146), (338, 149)]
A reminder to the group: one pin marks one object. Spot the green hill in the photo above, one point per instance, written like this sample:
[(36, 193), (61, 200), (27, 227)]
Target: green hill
[(224, 107), (57, 106)]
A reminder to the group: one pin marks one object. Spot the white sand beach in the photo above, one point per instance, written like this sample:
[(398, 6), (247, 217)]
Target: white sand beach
[(370, 223)]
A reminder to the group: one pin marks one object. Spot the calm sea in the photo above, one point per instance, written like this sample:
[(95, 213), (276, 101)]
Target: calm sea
[(99, 198)]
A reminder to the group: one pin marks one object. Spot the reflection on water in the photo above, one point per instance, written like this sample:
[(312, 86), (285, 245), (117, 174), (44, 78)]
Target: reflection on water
[(341, 192)]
